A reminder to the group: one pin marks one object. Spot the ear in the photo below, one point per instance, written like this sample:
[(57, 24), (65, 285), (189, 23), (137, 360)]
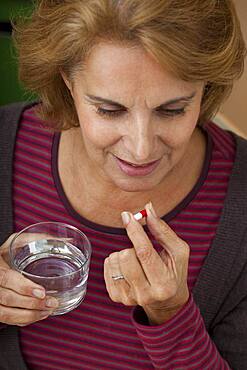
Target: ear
[(66, 81)]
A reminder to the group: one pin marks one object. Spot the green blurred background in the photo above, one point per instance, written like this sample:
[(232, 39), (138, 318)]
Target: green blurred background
[(10, 90)]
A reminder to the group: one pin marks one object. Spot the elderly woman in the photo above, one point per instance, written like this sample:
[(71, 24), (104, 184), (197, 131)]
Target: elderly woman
[(127, 89)]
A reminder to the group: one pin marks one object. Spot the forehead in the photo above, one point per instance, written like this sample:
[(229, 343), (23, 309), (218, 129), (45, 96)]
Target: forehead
[(126, 70)]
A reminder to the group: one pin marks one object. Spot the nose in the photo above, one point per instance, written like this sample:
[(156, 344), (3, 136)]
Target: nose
[(141, 139)]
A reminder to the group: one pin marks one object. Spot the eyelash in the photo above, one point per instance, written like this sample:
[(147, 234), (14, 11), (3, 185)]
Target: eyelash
[(109, 113), (163, 113), (171, 112)]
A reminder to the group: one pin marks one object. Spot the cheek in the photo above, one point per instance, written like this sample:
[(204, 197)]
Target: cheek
[(99, 134), (180, 131)]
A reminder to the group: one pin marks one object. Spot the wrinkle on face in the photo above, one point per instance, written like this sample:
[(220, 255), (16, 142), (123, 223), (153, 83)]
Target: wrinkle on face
[(132, 78)]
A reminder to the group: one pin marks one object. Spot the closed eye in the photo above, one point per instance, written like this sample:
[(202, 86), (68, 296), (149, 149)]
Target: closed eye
[(110, 112), (160, 111), (170, 112)]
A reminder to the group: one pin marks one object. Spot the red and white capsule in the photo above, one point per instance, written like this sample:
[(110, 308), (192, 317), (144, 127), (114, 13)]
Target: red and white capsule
[(141, 214)]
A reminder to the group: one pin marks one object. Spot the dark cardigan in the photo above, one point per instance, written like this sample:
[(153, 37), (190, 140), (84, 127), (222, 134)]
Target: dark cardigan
[(221, 288)]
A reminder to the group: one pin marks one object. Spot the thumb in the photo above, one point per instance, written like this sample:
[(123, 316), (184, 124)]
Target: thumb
[(164, 235), (4, 251)]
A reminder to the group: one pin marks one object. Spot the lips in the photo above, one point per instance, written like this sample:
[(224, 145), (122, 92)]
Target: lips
[(137, 165), (132, 169)]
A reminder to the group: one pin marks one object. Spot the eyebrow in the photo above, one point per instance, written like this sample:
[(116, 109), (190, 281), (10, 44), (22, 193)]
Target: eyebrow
[(99, 99)]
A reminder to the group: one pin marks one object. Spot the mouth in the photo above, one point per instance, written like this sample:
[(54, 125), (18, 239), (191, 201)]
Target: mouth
[(133, 169)]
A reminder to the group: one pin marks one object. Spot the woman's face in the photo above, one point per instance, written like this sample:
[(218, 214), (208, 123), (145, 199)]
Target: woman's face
[(136, 119)]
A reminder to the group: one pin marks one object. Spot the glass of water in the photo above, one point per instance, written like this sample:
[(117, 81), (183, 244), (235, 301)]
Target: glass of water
[(56, 256)]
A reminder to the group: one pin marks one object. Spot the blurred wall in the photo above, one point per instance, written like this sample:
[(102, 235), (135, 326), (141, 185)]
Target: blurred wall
[(11, 90), (235, 108)]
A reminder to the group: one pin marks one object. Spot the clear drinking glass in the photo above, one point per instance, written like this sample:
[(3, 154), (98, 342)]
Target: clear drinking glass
[(56, 256)]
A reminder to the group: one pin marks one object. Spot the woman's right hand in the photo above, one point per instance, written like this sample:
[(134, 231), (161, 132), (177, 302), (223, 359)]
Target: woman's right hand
[(22, 301)]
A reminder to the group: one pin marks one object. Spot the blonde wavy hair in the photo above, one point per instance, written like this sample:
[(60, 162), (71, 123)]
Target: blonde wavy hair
[(196, 40)]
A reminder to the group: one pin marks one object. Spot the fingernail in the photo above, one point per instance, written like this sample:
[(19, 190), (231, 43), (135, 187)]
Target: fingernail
[(45, 314), (125, 218), (51, 302), (38, 293), (151, 209)]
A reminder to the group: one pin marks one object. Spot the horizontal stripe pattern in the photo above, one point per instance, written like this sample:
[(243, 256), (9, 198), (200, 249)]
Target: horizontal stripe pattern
[(181, 343), (101, 334)]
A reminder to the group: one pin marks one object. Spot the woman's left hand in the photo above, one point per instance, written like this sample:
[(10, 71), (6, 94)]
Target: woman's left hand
[(157, 282)]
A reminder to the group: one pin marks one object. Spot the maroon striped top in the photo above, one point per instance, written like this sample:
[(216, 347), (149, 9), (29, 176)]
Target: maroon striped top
[(101, 334)]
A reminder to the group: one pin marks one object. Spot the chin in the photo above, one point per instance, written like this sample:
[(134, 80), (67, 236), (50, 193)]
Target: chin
[(136, 185)]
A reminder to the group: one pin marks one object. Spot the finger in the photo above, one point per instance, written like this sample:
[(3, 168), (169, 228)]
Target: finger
[(110, 287), (164, 235), (21, 317), (5, 260), (114, 266), (150, 260), (15, 281), (10, 298), (118, 290), (135, 275), (131, 268)]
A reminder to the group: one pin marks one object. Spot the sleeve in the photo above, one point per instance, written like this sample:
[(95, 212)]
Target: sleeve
[(230, 334), (184, 343)]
